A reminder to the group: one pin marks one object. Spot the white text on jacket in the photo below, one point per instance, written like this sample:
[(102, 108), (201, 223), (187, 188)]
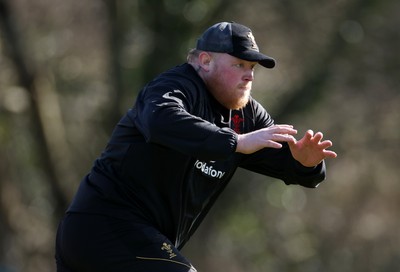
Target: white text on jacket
[(208, 170)]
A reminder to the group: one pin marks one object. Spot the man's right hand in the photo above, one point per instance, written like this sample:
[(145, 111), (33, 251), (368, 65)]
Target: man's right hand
[(267, 137)]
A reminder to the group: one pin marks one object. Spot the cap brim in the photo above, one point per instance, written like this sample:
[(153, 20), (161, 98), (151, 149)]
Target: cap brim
[(251, 55)]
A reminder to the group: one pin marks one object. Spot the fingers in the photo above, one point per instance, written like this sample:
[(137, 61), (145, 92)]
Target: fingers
[(275, 135), (317, 139), (280, 133), (324, 145), (282, 129), (330, 154), (273, 144), (266, 137), (283, 138)]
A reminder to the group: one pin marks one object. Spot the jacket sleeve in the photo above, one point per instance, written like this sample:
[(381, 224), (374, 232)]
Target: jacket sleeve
[(163, 115), (279, 163)]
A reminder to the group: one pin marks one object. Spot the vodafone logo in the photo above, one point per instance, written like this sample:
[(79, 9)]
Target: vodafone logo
[(208, 170)]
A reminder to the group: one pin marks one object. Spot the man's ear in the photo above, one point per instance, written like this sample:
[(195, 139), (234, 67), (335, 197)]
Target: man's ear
[(205, 60)]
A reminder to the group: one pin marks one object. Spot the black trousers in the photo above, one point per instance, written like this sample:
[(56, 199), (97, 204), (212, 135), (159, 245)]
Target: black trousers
[(88, 242)]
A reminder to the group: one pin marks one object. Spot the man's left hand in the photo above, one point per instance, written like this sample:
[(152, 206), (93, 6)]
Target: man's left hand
[(310, 150)]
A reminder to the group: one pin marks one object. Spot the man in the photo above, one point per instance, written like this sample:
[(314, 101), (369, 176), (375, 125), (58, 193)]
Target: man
[(174, 152)]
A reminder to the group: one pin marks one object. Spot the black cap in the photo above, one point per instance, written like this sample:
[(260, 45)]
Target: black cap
[(234, 39)]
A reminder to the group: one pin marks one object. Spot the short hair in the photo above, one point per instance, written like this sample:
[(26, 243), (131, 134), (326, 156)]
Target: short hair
[(193, 53)]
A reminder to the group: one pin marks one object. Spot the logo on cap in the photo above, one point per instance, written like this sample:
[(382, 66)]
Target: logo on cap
[(253, 41)]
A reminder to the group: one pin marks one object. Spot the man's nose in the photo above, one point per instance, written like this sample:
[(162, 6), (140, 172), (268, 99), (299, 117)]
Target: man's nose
[(249, 76)]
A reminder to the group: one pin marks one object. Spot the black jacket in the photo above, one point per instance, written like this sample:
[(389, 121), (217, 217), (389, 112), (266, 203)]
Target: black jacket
[(173, 153)]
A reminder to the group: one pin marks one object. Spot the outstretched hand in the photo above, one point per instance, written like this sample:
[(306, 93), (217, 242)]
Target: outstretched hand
[(271, 137), (310, 150)]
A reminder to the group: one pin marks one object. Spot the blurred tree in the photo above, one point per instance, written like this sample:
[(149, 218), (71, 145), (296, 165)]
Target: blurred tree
[(312, 89), (26, 79), (170, 25)]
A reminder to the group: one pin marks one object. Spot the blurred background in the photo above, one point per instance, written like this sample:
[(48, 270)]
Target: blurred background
[(70, 69)]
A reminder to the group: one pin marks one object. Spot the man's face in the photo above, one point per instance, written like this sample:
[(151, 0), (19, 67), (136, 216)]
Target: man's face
[(230, 79)]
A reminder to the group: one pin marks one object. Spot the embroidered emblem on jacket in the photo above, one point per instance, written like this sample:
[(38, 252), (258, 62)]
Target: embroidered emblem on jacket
[(237, 123), (168, 249)]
